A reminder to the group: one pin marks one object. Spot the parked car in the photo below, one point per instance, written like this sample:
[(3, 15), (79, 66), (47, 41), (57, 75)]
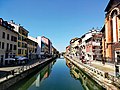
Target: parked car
[(21, 59)]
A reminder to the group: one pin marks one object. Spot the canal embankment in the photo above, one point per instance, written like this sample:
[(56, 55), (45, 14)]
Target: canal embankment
[(54, 76), (104, 79), (18, 73)]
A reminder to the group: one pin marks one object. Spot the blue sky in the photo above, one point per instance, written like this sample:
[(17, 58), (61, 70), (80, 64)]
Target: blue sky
[(58, 20)]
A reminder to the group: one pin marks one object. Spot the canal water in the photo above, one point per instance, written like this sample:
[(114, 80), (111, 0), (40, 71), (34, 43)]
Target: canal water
[(58, 75)]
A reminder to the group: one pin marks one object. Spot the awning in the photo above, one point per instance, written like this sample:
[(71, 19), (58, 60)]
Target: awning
[(10, 59)]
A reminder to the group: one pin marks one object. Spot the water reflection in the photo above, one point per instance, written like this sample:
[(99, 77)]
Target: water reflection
[(86, 81), (36, 79), (43, 74)]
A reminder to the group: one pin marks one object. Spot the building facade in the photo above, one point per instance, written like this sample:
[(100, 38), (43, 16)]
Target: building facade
[(22, 39), (44, 48), (8, 41), (74, 47), (68, 49), (87, 47), (32, 47), (90, 45), (112, 30), (93, 46)]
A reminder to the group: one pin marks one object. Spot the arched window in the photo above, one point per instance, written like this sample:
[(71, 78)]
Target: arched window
[(114, 13), (113, 25)]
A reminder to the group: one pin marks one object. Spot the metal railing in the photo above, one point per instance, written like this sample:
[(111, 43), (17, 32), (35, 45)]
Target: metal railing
[(9, 74), (99, 73)]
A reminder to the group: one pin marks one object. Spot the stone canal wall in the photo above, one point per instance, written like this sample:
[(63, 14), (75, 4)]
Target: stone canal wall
[(104, 79), (22, 72)]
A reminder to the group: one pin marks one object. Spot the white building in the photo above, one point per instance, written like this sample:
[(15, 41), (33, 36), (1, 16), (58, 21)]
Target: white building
[(90, 45), (8, 41), (39, 53), (32, 47), (44, 47)]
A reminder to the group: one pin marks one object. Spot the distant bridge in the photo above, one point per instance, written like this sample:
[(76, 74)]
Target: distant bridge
[(61, 56)]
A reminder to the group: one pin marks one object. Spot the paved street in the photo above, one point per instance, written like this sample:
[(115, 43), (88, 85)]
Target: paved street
[(5, 72), (9, 68), (97, 68), (107, 67)]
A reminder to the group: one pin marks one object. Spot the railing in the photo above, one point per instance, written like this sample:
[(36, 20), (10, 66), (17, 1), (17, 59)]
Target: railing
[(19, 70), (16, 71), (105, 75)]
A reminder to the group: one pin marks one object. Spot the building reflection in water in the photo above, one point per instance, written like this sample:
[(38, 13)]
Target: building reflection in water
[(35, 79), (38, 81), (87, 82), (43, 74)]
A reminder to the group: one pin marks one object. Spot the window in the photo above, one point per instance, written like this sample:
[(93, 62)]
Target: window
[(7, 36), (22, 51), (10, 46), (23, 38), (19, 51), (3, 45), (6, 55), (25, 51), (119, 39), (0, 44), (25, 45), (15, 47), (19, 37), (22, 45), (19, 44), (3, 36), (7, 46), (15, 39), (12, 38), (2, 57)]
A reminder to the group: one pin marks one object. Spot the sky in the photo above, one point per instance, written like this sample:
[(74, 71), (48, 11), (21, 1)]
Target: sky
[(58, 20)]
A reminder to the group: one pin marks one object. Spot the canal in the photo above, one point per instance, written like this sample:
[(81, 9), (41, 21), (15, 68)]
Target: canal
[(60, 74)]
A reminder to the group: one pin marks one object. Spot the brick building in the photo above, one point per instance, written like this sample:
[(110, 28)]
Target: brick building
[(111, 31)]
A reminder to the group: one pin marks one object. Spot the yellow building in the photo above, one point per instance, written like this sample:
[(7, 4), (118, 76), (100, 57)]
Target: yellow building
[(22, 39)]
